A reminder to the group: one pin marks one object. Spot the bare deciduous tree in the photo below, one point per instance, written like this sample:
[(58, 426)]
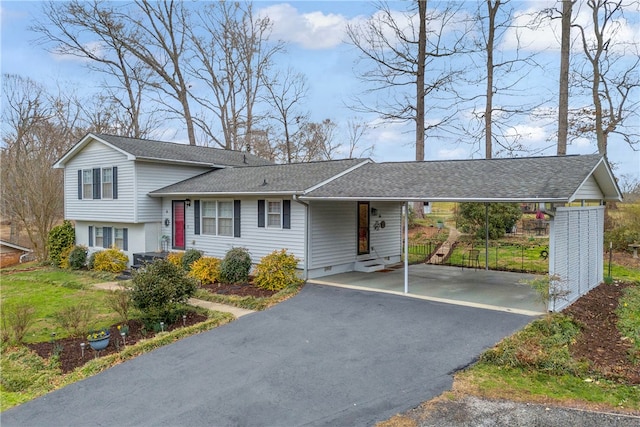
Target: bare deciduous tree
[(356, 130), (92, 30), (285, 94), (38, 129), (231, 56), (563, 99), (610, 75), (403, 50)]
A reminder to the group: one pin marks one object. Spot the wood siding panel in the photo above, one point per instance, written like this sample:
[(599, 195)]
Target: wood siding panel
[(98, 155), (259, 241)]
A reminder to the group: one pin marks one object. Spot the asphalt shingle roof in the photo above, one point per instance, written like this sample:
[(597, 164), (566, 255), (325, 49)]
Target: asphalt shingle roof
[(170, 151), (478, 180), (288, 178)]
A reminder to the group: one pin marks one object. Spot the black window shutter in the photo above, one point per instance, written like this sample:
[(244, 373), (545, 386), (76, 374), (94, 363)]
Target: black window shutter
[(90, 235), (80, 184), (236, 218), (106, 237), (96, 182), (125, 239), (114, 178), (286, 214), (260, 213), (196, 217)]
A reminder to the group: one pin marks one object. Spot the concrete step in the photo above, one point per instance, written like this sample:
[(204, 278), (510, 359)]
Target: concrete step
[(369, 266)]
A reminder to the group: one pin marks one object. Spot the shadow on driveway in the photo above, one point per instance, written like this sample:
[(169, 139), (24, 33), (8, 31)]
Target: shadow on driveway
[(329, 356)]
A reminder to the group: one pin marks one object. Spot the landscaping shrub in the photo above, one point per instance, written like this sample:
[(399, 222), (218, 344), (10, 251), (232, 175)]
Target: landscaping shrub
[(76, 319), (175, 258), (61, 237), (160, 288), (543, 345), (120, 302), (189, 257), (112, 260), (91, 260), (206, 270), (276, 271), (75, 257), (235, 266), (16, 320)]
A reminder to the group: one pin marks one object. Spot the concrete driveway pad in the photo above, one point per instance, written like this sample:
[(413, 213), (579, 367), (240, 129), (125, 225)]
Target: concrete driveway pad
[(329, 356)]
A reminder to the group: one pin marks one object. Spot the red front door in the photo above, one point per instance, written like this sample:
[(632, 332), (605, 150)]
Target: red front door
[(178, 224)]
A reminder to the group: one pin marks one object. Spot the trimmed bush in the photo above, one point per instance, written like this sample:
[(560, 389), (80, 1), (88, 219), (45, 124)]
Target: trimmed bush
[(61, 238), (112, 260), (189, 257), (206, 270), (276, 271), (235, 266), (159, 289), (75, 258), (175, 258)]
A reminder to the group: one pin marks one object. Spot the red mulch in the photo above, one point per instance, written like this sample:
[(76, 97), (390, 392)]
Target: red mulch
[(71, 355), (600, 341)]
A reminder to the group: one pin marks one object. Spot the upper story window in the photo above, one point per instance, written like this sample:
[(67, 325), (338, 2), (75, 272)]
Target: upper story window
[(87, 184), (98, 183), (107, 183)]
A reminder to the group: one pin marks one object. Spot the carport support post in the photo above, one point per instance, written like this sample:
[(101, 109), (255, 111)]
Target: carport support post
[(406, 247), (486, 236)]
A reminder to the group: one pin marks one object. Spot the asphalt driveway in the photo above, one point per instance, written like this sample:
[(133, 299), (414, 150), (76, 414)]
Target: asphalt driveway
[(329, 356)]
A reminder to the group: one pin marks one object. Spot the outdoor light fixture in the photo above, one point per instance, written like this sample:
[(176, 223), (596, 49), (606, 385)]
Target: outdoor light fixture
[(188, 202)]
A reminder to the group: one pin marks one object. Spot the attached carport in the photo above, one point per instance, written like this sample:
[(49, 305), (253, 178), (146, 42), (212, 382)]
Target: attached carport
[(571, 189)]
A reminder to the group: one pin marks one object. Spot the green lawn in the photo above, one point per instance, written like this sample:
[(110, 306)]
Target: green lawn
[(49, 291)]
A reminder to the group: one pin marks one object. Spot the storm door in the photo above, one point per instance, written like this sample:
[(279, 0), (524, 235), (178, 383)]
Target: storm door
[(178, 224), (363, 228)]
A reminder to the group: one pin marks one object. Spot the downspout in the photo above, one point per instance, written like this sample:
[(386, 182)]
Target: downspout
[(305, 265), (486, 236)]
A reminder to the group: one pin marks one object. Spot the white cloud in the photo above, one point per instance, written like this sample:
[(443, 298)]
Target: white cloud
[(314, 30), (96, 48), (452, 153)]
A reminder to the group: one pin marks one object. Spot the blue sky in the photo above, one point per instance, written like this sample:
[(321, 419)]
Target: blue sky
[(315, 33)]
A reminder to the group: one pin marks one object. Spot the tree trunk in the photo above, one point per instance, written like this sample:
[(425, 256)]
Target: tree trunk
[(563, 102), (488, 109), (420, 95)]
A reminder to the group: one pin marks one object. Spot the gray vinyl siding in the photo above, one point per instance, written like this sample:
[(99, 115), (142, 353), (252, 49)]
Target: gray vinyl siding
[(135, 235), (259, 241), (98, 155), (387, 241), (590, 190), (152, 176), (333, 233)]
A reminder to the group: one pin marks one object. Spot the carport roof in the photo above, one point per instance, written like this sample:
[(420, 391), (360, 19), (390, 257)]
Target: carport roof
[(539, 179)]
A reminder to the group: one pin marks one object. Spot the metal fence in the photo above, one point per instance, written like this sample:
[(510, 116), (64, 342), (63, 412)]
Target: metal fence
[(519, 257)]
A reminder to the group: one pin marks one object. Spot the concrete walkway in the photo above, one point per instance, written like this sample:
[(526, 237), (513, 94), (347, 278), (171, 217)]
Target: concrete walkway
[(445, 248), (236, 311)]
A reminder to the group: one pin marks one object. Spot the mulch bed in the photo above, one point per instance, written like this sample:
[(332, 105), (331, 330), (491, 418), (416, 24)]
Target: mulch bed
[(242, 290), (70, 351), (600, 341)]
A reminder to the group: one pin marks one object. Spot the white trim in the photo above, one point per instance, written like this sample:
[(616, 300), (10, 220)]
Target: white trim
[(14, 246)]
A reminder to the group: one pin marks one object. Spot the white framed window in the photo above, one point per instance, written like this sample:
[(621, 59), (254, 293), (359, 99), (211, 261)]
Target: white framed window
[(225, 218), (107, 183), (274, 213), (118, 235), (216, 217), (87, 184), (209, 217), (99, 242)]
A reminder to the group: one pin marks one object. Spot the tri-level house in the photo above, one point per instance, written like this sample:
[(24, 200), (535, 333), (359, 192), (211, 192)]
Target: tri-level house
[(334, 216)]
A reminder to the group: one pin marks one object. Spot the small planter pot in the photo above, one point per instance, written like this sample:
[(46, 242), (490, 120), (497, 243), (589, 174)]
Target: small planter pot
[(100, 343)]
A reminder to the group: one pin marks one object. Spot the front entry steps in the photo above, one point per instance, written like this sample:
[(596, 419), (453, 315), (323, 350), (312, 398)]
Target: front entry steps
[(369, 265)]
